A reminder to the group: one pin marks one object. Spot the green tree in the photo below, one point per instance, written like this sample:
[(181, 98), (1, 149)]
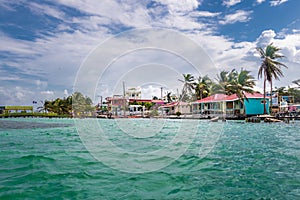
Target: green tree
[(223, 80), (240, 83), (76, 102), (148, 105), (234, 82), (202, 87), (81, 104), (155, 98), (295, 93), (269, 68), (188, 86)]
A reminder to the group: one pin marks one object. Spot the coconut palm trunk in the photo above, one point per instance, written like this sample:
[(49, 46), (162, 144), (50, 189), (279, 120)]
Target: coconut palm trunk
[(265, 109), (271, 99)]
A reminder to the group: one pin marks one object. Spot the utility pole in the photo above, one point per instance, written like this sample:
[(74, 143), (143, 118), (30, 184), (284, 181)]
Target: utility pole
[(124, 98), (101, 103), (124, 89)]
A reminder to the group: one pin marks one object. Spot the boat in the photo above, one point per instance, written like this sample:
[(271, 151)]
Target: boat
[(267, 119), (215, 119)]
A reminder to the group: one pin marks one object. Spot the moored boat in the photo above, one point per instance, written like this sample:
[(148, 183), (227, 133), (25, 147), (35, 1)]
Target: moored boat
[(267, 119), (215, 119)]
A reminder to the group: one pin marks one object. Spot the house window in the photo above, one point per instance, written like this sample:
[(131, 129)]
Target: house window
[(263, 101), (229, 105)]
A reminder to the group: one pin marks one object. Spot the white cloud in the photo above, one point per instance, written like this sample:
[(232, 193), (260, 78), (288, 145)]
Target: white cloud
[(180, 6), (238, 16), (41, 84), (266, 38), (42, 9), (229, 3), (128, 13), (47, 92), (204, 14), (16, 46), (16, 95), (10, 78), (260, 1), (66, 93), (19, 93), (290, 47), (150, 91), (277, 2)]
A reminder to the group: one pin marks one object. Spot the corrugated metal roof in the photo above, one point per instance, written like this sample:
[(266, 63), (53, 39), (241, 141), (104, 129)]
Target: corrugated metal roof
[(224, 97)]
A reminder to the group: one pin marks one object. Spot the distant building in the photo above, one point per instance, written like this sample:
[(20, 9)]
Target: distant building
[(16, 109), (133, 93), (174, 107), (116, 104)]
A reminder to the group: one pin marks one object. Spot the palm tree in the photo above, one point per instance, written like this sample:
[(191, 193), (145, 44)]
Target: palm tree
[(202, 87), (240, 83), (269, 68), (297, 82), (223, 79), (188, 85), (169, 98), (47, 107)]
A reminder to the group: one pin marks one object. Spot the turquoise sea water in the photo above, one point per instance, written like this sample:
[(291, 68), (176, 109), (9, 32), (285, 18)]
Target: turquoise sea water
[(45, 158)]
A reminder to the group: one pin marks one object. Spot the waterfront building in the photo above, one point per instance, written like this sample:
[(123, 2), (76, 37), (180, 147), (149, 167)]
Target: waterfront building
[(133, 93), (117, 104), (231, 105), (174, 107), (16, 109)]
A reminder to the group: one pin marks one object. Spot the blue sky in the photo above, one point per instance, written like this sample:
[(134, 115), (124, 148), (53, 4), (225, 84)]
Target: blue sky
[(44, 43)]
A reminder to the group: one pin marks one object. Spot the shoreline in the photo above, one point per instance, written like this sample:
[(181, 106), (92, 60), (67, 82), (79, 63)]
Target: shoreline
[(47, 115)]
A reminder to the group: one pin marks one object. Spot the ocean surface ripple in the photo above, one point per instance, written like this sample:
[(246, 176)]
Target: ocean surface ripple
[(45, 158)]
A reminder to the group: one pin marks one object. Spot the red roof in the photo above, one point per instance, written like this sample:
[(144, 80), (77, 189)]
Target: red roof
[(224, 97), (213, 98), (181, 103), (160, 102), (234, 97), (140, 100)]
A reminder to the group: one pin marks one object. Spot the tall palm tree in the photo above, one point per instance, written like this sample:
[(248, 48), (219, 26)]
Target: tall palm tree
[(202, 87), (269, 68), (188, 86)]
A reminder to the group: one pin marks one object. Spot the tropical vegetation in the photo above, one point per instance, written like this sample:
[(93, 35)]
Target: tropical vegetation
[(270, 68), (233, 82), (188, 87), (75, 104)]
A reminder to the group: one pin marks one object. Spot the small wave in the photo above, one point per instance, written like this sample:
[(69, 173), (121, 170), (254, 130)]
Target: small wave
[(36, 158)]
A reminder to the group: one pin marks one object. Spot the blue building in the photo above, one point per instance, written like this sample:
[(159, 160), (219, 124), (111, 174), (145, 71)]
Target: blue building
[(231, 105)]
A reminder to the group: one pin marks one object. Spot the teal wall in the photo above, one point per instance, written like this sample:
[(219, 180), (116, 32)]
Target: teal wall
[(255, 107)]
